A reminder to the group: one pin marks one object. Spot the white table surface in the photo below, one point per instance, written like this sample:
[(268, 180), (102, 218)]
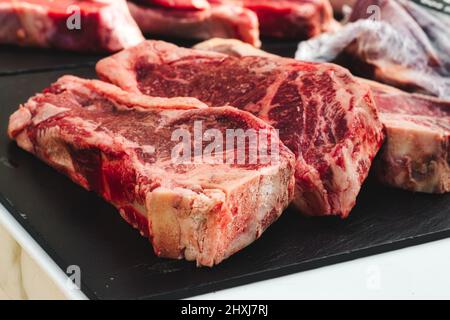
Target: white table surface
[(419, 272), (3, 295)]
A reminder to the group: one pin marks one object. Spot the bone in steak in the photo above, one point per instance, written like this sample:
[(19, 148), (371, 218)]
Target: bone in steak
[(120, 145), (176, 4), (104, 25), (294, 19), (405, 46), (324, 116), (416, 154), (222, 20)]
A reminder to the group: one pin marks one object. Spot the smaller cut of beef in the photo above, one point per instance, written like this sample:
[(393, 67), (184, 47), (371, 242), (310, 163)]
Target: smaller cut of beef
[(78, 25), (294, 19), (324, 115), (416, 155), (289, 19), (122, 146), (219, 20)]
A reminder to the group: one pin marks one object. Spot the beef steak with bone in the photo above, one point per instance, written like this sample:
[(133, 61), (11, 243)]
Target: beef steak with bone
[(324, 115)]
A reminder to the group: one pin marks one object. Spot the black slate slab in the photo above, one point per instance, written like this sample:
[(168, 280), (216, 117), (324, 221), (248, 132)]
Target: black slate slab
[(15, 60), (78, 228)]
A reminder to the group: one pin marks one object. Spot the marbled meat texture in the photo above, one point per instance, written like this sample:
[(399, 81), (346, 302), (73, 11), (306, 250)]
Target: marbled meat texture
[(323, 114), (416, 153), (119, 144)]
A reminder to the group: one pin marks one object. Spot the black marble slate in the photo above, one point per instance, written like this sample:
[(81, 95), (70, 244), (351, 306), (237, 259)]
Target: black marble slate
[(78, 228), (15, 60)]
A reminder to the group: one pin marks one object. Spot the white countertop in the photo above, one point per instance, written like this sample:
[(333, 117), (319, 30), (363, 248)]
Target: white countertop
[(419, 272)]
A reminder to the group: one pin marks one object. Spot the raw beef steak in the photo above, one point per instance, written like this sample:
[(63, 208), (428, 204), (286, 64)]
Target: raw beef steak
[(78, 25), (222, 20), (416, 154), (295, 19), (121, 145), (324, 116)]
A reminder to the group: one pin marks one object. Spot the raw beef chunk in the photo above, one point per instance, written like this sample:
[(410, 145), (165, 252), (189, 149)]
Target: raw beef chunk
[(222, 20), (78, 25), (326, 117), (416, 154), (121, 145), (295, 19)]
